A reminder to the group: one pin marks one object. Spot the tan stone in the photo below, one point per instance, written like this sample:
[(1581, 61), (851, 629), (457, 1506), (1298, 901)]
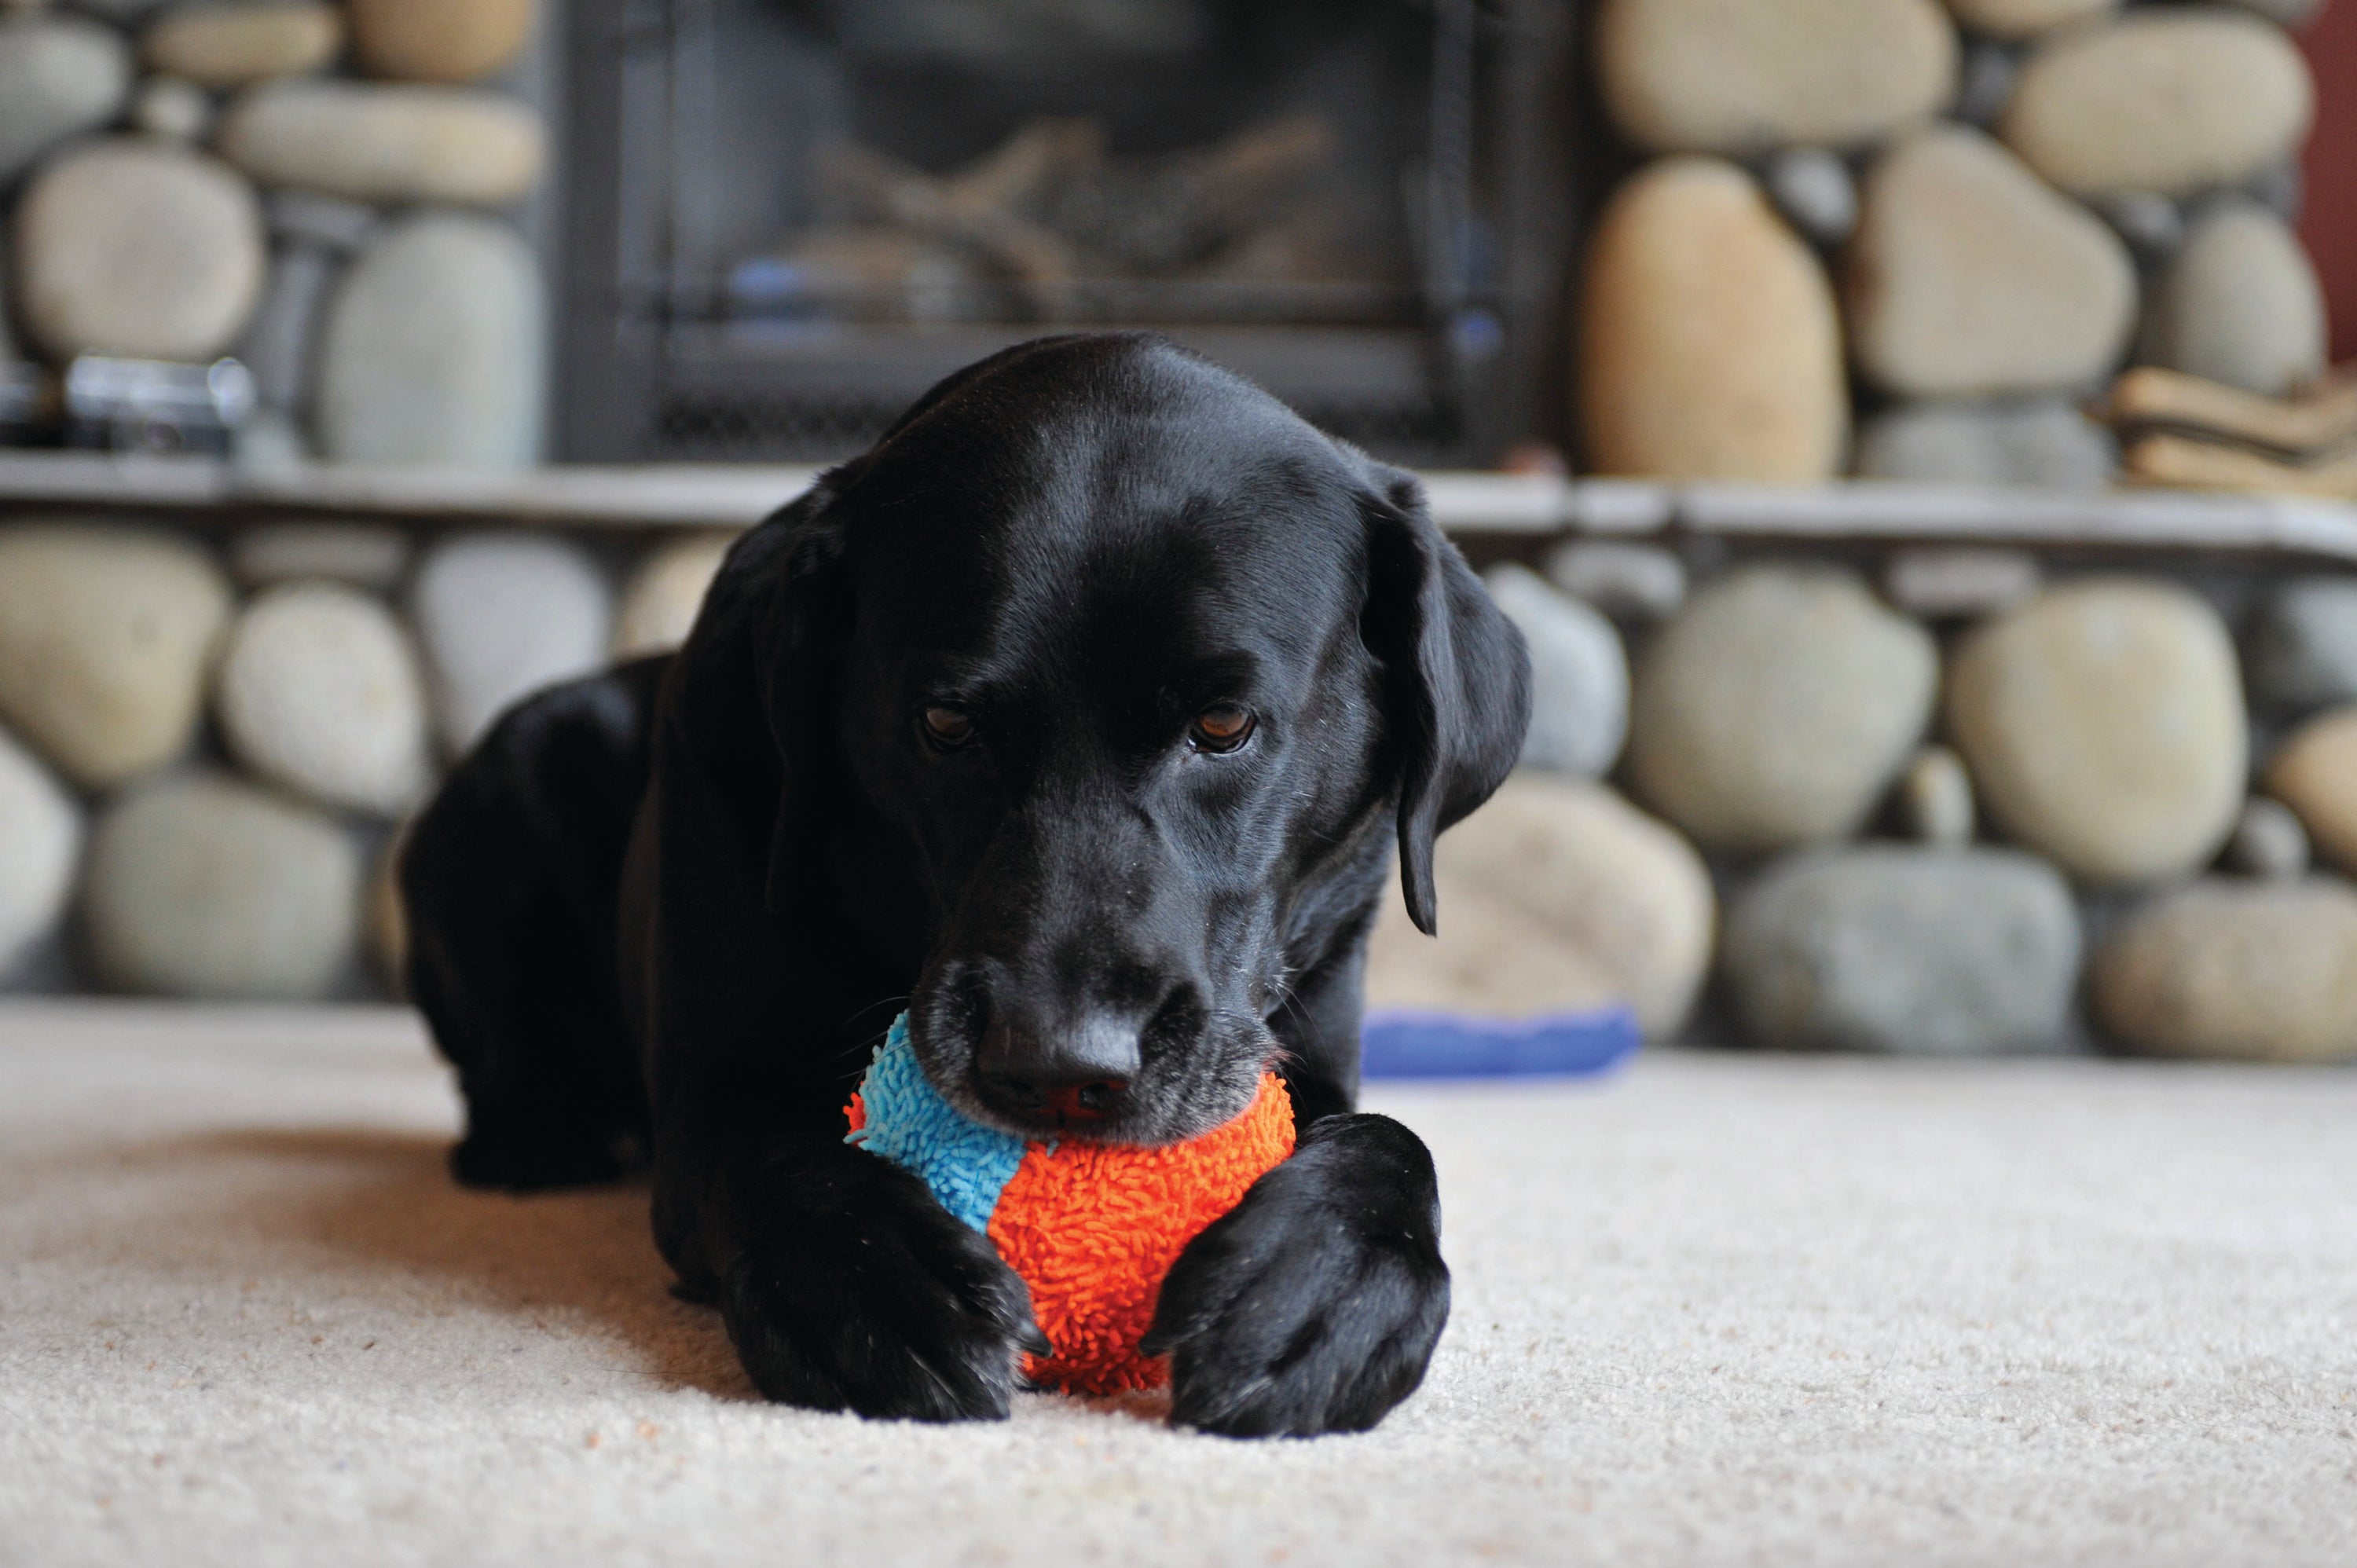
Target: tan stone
[(385, 143), (106, 632), (2103, 724), (2025, 18), (1709, 346), (2258, 971), (2240, 304), (1968, 276), (1741, 76), (664, 593), (2314, 773), (438, 40), (2167, 100), (1556, 895), (223, 44)]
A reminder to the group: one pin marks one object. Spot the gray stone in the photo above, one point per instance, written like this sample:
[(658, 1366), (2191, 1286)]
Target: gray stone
[(2103, 724), (2025, 18), (1556, 895), (1733, 76), (1985, 82), (280, 341), (2281, 188), (134, 246), (1813, 190), (105, 631), (2153, 225), (225, 44), (386, 143), (329, 222), (207, 887), (2268, 842), (2166, 98), (2044, 442), (40, 840), (1913, 951), (60, 76), (321, 550), (664, 593), (1580, 675), (1775, 707), (2254, 970), (175, 110), (2314, 772), (269, 442), (433, 348), (501, 615), (1935, 799), (1960, 582), (2241, 305), (1969, 277), (1635, 584), (2302, 646), (318, 691)]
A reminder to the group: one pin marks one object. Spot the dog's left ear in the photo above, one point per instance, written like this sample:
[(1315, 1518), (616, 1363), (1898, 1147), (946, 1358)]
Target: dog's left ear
[(1457, 678)]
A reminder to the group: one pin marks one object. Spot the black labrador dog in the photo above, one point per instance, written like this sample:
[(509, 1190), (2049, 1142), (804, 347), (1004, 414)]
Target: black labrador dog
[(1080, 717)]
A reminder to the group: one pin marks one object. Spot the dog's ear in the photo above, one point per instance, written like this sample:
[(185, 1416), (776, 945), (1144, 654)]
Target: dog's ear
[(798, 632), (1456, 679)]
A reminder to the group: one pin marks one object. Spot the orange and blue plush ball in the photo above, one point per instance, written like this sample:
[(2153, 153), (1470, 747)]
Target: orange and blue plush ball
[(1091, 1228)]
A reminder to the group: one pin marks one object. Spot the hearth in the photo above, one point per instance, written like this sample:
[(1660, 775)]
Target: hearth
[(787, 218)]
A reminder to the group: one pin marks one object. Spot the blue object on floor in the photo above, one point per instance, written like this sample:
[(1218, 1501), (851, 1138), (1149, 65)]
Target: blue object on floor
[(1401, 1044)]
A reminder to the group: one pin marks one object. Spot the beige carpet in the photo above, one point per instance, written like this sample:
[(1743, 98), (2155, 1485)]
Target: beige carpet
[(1721, 1310)]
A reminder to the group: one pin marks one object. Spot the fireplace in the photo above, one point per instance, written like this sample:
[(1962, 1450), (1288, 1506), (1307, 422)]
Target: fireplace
[(787, 218)]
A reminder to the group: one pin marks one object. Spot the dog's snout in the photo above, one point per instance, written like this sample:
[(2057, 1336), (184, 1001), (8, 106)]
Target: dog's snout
[(1076, 1072)]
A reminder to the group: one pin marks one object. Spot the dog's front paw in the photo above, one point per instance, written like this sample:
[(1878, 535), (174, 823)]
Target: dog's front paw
[(858, 1291), (1315, 1304)]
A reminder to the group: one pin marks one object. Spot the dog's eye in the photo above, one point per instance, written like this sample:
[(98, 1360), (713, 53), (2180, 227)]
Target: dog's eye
[(1220, 727), (947, 727)]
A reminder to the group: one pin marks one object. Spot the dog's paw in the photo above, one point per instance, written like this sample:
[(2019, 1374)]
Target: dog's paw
[(858, 1291), (1315, 1304)]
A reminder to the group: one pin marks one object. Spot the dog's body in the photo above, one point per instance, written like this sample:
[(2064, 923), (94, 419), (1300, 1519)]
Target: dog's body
[(1080, 717)]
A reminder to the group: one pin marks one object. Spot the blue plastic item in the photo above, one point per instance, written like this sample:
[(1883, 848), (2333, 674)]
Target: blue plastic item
[(1401, 1044)]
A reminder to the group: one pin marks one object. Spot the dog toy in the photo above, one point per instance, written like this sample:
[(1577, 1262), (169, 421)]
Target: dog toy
[(1091, 1228)]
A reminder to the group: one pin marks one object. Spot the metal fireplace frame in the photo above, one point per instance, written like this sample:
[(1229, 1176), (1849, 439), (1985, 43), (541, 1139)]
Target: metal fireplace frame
[(643, 376)]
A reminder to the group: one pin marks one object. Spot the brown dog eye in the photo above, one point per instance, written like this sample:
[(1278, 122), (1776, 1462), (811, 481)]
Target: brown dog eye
[(948, 727), (1223, 727)]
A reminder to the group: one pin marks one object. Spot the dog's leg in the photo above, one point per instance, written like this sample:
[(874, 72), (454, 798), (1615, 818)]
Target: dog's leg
[(1316, 1304)]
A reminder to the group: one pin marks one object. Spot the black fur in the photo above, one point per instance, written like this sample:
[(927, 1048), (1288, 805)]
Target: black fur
[(1099, 927)]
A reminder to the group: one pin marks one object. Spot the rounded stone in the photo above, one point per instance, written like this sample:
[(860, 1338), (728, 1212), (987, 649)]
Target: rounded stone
[(1775, 707), (1813, 190), (432, 352), (1557, 895), (1580, 675), (384, 143), (359, 554), (2302, 646), (1935, 799), (438, 40), (1735, 76), (137, 247), (40, 840), (2103, 722), (2267, 841), (2314, 772), (1636, 583), (1959, 582), (175, 110), (318, 691), (2043, 442), (225, 44), (207, 887), (2251, 971), (106, 633), (1709, 347), (2025, 18), (2241, 304), (1968, 276), (388, 919), (660, 600), (1912, 951), (2153, 226), (500, 616), (2167, 99), (60, 77)]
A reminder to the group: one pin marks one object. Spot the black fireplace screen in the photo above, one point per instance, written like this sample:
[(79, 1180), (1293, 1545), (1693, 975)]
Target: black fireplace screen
[(787, 218)]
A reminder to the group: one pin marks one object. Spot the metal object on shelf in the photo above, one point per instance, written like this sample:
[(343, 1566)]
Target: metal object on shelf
[(155, 405)]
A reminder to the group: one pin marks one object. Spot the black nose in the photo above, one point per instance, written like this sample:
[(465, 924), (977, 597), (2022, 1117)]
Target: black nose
[(1074, 1072)]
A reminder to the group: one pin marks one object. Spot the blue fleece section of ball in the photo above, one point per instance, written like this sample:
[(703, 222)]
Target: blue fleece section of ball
[(966, 1164)]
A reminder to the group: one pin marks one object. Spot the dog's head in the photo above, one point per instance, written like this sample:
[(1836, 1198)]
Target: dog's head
[(1131, 669)]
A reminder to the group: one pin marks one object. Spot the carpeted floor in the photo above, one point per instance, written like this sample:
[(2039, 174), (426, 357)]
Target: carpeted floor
[(1721, 1310)]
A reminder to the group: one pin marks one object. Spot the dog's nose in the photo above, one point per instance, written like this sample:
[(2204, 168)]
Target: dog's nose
[(1075, 1073)]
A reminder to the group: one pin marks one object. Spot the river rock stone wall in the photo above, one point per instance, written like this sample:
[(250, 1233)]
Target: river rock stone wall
[(1904, 240)]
